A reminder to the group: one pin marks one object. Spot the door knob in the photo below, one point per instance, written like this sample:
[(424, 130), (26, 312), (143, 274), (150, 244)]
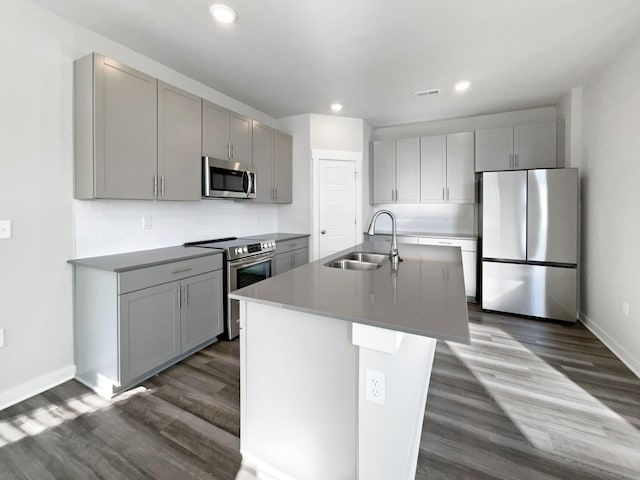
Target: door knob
[(323, 231)]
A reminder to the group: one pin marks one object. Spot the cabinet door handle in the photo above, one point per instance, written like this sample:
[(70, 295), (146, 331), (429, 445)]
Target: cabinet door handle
[(276, 197), (162, 185), (186, 295), (447, 193), (233, 153), (179, 296), (182, 270), (442, 193), (515, 156), (229, 150), (155, 186)]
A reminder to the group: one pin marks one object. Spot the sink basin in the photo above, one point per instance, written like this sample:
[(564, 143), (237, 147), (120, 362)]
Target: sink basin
[(359, 261), (377, 258), (346, 264)]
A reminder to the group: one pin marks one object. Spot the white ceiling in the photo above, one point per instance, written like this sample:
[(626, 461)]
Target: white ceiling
[(287, 57)]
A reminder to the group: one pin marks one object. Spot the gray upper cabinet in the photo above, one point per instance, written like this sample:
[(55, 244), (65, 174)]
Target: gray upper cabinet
[(396, 171), (517, 147), (282, 166), (384, 171), (135, 137), (215, 131), (179, 144), (433, 169), (263, 162), (240, 138), (460, 168), (226, 135), (272, 159), (115, 114), (408, 170), (447, 168), (535, 145)]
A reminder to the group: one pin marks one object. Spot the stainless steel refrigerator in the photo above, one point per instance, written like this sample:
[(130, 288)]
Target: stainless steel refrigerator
[(529, 230)]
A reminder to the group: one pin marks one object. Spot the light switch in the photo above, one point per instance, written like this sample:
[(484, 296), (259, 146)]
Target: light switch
[(5, 228)]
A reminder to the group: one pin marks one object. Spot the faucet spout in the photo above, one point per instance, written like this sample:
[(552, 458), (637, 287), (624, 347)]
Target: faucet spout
[(393, 255)]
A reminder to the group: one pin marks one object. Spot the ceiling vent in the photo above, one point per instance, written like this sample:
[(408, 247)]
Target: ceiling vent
[(424, 93)]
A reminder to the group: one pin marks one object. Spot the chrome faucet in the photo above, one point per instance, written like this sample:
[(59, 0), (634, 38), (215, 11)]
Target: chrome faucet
[(393, 255)]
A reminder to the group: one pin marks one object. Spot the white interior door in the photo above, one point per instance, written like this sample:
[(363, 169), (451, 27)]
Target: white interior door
[(337, 206)]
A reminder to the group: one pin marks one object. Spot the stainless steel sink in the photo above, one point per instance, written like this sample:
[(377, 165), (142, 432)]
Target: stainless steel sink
[(346, 264), (377, 258), (359, 261)]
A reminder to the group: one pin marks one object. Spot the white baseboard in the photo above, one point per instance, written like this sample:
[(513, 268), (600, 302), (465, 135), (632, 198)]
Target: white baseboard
[(629, 359), (263, 470), (37, 385)]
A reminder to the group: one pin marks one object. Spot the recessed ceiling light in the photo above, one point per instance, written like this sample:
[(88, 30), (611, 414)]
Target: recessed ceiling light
[(336, 107), (223, 13), (462, 86)]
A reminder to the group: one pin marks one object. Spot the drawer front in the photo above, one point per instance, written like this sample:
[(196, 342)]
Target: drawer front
[(167, 272), (288, 245), (465, 244)]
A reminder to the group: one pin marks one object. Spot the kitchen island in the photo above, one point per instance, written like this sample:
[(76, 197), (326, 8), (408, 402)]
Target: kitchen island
[(335, 364)]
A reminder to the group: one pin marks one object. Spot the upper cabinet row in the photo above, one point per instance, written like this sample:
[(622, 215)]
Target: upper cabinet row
[(434, 169), (137, 137), (441, 168), (517, 148)]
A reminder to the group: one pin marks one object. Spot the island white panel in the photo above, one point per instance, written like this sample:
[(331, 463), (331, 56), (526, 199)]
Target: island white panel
[(299, 401)]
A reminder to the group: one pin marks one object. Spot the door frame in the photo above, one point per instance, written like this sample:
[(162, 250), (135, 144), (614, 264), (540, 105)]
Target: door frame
[(340, 155)]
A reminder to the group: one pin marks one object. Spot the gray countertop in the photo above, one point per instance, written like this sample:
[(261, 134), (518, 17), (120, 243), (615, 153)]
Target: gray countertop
[(425, 296), (123, 262)]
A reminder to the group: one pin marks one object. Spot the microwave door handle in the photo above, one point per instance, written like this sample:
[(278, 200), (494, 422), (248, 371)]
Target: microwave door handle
[(249, 182)]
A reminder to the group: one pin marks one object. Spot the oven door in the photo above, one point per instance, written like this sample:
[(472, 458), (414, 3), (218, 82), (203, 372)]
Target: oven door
[(242, 273), (224, 179)]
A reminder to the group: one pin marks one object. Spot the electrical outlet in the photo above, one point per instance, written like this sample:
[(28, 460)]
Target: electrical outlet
[(1, 337), (375, 388), (625, 309), (146, 223), (5, 228)]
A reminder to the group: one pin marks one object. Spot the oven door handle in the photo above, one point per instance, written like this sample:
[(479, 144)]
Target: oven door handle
[(249, 262)]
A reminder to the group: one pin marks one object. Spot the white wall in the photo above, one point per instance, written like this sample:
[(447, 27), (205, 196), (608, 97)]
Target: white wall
[(610, 176), (332, 132), (36, 157)]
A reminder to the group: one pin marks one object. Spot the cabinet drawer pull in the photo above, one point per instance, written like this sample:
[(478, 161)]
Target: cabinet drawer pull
[(444, 243), (182, 270)]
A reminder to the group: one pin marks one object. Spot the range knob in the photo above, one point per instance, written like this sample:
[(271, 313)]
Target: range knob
[(238, 250), (246, 250)]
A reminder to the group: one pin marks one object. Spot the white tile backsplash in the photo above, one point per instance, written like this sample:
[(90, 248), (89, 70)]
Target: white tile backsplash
[(445, 219), (104, 227)]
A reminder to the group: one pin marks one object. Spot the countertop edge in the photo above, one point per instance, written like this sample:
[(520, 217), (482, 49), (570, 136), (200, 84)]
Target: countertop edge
[(362, 321), (86, 262)]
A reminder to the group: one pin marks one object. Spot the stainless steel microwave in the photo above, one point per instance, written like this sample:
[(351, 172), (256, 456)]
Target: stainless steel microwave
[(225, 179)]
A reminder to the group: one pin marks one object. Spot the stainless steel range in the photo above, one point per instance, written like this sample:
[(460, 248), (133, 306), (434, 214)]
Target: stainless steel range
[(246, 262)]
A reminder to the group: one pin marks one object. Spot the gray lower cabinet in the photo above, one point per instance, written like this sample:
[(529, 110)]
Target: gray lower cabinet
[(290, 254), (130, 325), (149, 329)]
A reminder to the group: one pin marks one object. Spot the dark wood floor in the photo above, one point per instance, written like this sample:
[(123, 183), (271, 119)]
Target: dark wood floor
[(483, 421)]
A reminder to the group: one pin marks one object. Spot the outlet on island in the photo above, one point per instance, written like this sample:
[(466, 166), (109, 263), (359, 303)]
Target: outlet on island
[(375, 386)]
